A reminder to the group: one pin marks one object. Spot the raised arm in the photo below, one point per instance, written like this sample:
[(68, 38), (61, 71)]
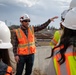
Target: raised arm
[(44, 25)]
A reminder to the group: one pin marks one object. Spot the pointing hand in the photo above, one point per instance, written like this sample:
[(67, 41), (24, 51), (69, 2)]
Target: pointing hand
[(52, 19)]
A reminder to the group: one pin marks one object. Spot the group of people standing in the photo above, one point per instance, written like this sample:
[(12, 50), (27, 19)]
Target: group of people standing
[(24, 49)]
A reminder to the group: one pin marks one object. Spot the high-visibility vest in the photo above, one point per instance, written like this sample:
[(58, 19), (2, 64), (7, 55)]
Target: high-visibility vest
[(69, 66), (5, 69), (9, 71), (26, 44), (55, 39)]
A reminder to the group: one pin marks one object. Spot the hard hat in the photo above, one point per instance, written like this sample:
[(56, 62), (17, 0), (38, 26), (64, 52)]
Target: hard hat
[(63, 14), (70, 19), (5, 41), (24, 17), (72, 4)]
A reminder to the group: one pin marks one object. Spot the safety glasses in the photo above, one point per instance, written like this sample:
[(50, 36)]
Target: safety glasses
[(27, 20)]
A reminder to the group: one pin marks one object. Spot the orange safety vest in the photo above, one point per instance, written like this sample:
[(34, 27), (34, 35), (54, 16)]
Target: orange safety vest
[(69, 66), (5, 69), (26, 44), (9, 71)]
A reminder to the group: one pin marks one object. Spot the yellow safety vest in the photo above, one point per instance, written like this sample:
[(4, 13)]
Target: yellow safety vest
[(69, 66), (55, 39)]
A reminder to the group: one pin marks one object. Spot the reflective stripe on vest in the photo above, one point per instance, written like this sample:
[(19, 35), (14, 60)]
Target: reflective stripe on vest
[(26, 44), (69, 66)]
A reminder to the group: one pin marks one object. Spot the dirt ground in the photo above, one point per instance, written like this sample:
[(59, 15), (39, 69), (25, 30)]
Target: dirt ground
[(42, 66), (43, 42)]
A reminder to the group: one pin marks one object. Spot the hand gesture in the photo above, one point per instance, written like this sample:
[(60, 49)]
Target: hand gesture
[(52, 19)]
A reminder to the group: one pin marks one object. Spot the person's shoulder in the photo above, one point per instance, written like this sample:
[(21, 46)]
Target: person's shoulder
[(57, 32), (13, 32)]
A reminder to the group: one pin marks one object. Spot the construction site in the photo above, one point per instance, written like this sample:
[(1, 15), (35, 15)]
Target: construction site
[(42, 66)]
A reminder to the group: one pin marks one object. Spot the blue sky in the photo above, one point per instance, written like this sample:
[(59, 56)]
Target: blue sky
[(38, 10)]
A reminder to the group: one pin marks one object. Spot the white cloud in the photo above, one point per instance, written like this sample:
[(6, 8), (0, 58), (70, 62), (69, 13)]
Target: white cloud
[(39, 10), (1, 4), (28, 3)]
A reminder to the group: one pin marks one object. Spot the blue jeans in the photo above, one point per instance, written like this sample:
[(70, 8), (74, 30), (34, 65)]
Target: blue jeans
[(25, 59)]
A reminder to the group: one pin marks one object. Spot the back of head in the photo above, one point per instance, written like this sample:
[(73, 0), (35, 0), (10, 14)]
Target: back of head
[(72, 4), (70, 19), (70, 26), (5, 36)]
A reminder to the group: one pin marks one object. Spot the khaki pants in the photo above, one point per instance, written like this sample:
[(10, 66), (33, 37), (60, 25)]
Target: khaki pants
[(12, 60)]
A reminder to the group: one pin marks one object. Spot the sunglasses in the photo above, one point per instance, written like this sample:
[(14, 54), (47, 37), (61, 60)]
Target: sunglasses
[(26, 21)]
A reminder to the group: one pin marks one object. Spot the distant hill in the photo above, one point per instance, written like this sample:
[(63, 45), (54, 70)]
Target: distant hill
[(13, 27)]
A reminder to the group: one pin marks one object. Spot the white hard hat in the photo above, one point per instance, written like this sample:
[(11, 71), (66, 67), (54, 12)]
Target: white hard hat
[(5, 41), (72, 4), (63, 14), (24, 17), (70, 19)]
